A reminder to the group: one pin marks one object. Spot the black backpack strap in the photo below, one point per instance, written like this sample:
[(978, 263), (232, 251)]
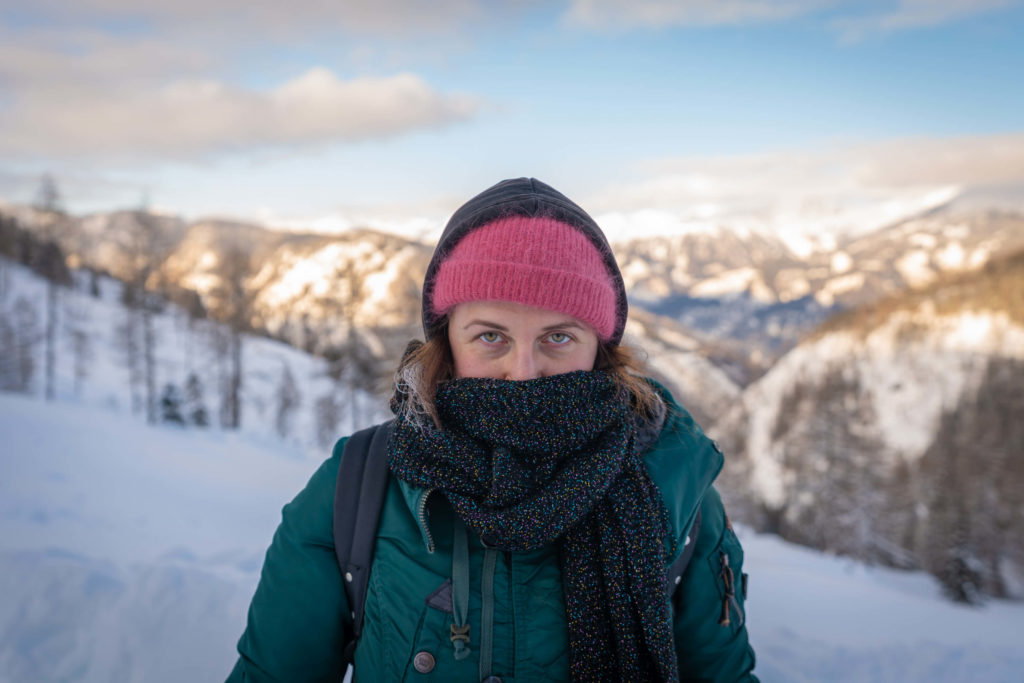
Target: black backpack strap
[(358, 500), (674, 575)]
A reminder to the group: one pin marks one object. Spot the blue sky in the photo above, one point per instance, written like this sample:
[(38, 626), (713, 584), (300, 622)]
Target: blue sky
[(296, 110)]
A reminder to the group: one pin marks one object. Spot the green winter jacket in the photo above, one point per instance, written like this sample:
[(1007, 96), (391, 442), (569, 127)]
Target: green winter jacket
[(299, 614)]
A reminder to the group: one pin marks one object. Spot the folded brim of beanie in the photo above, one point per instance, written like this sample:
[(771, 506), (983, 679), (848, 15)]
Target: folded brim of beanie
[(591, 301)]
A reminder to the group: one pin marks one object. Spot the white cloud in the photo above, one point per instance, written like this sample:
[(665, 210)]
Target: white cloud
[(853, 19), (391, 17), (912, 14), (190, 118), (657, 13), (87, 59), (831, 181)]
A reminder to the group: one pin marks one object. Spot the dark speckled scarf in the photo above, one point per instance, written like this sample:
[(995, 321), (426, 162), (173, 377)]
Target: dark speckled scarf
[(528, 463)]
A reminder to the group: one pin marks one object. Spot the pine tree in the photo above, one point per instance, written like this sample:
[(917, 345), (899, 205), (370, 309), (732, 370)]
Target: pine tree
[(195, 407), (48, 198), (170, 405)]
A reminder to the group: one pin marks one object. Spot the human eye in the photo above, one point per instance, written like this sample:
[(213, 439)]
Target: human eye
[(559, 338), (489, 337)]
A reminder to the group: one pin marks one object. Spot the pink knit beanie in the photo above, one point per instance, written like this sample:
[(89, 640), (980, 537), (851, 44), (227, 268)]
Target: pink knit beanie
[(534, 261), (524, 241)]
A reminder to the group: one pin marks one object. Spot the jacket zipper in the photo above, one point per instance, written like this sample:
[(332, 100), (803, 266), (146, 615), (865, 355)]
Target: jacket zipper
[(422, 514), (729, 600)]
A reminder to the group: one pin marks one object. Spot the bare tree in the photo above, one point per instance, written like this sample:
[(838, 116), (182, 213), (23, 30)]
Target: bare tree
[(19, 334), (129, 338), (145, 252), (327, 414), (288, 399), (81, 346), (352, 363), (51, 265), (234, 311)]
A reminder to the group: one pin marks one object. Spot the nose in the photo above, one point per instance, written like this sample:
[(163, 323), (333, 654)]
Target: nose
[(522, 364)]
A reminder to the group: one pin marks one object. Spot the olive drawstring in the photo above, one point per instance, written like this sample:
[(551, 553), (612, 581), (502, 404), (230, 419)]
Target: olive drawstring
[(460, 599), (487, 613)]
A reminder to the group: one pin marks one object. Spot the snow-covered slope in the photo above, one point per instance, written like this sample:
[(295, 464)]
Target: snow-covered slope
[(93, 367), (681, 362), (863, 437), (129, 553)]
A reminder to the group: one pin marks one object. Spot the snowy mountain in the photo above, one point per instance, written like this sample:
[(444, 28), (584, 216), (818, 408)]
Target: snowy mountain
[(894, 434), (751, 287), (735, 284)]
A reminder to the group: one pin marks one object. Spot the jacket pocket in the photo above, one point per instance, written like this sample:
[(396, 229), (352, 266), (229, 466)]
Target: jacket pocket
[(425, 657)]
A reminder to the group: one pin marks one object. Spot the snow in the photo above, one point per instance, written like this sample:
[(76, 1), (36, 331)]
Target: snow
[(129, 553), (728, 282), (813, 617), (951, 257), (620, 226), (913, 366), (841, 262), (826, 296), (913, 383), (913, 267)]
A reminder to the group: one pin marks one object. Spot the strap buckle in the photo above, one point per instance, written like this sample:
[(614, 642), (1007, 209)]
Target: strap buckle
[(460, 633)]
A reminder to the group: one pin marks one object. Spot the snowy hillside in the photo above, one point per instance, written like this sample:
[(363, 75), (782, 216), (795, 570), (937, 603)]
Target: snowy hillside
[(94, 367), (129, 553), (894, 434)]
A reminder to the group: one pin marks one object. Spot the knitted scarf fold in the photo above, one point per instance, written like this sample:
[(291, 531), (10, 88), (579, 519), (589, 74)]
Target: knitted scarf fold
[(526, 464)]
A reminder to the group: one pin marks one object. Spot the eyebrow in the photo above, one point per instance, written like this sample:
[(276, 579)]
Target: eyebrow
[(488, 323)]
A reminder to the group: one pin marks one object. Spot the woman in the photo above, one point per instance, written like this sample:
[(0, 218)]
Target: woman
[(540, 488)]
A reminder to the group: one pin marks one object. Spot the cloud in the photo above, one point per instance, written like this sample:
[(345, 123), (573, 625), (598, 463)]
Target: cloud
[(659, 13), (140, 78), (194, 118), (389, 17), (914, 14), (847, 16), (88, 59), (706, 188)]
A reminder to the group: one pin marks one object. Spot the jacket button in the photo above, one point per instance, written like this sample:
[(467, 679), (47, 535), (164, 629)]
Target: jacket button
[(423, 662)]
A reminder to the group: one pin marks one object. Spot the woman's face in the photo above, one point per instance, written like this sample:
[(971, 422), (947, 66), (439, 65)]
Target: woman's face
[(503, 340)]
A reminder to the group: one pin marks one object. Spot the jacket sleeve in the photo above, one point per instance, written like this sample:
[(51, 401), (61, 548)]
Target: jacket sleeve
[(710, 619), (299, 615)]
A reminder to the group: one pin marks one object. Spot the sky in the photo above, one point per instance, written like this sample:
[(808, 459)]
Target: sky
[(329, 114)]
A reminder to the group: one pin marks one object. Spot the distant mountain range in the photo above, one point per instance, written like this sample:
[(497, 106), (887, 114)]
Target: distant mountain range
[(746, 292)]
